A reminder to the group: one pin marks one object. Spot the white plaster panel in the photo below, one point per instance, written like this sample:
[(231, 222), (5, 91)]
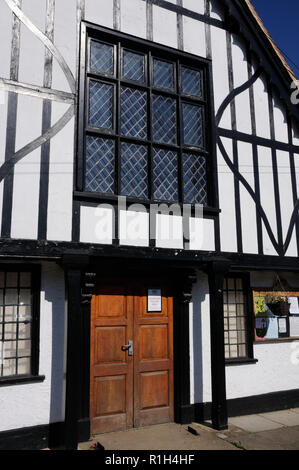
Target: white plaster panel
[(60, 202), (65, 39), (26, 197), (240, 72), (261, 104), (133, 17), (217, 10), (169, 231), (5, 39), (267, 196), (273, 372), (99, 12), (3, 122), (195, 5), (133, 228), (220, 73), (202, 234), (32, 50), (280, 121), (199, 342), (194, 37), (165, 27), (27, 170), (248, 207), (42, 403), (96, 224), (286, 198), (227, 217), (65, 32)]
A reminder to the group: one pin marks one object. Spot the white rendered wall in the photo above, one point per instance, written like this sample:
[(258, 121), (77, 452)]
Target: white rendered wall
[(199, 340), (60, 200), (42, 403), (27, 170), (227, 217), (248, 207), (267, 196)]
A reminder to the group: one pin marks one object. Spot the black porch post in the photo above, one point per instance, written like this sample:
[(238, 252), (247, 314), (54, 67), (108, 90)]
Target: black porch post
[(73, 265), (184, 412), (216, 272)]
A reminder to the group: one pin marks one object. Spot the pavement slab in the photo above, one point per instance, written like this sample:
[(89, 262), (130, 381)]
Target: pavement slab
[(285, 417), (285, 438), (254, 423)]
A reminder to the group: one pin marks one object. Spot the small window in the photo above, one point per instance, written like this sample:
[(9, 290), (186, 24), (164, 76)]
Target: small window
[(236, 319), (145, 128), (18, 321)]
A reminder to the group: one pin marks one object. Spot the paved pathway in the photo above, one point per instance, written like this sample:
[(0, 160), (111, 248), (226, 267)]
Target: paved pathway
[(267, 431)]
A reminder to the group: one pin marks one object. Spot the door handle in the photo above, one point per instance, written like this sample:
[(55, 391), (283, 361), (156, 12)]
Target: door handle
[(128, 347)]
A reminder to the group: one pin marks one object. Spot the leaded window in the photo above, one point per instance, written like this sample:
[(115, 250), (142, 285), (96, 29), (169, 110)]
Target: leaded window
[(237, 330), (18, 322), (145, 125)]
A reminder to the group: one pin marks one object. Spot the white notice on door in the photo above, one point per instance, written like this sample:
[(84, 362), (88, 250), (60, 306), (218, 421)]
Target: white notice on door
[(154, 300), (282, 325), (294, 307)]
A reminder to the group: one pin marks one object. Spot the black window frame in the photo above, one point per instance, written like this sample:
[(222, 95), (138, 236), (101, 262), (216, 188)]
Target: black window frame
[(247, 292), (91, 32), (33, 376)]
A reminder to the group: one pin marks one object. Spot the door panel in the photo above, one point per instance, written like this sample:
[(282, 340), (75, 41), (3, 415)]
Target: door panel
[(153, 360), (111, 385), (128, 390)]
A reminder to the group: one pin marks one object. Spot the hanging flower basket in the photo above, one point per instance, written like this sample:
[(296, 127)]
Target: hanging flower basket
[(280, 308)]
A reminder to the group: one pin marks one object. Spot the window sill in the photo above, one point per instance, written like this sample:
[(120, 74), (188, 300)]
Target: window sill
[(104, 198), (18, 380), (276, 340), (241, 361)]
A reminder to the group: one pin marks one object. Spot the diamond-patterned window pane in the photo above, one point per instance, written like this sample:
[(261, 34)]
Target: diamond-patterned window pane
[(134, 170), (101, 58), (194, 177), (133, 66), (100, 105), (99, 174), (164, 119), (191, 82), (163, 74), (193, 125), (165, 175), (133, 112)]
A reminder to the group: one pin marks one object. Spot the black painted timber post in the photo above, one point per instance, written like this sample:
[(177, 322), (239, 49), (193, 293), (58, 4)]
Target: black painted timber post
[(184, 411), (74, 266), (216, 272)]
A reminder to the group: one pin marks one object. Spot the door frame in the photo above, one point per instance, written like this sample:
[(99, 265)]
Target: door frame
[(181, 280)]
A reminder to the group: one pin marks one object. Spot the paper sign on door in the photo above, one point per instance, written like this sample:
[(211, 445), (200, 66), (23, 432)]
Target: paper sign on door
[(154, 300)]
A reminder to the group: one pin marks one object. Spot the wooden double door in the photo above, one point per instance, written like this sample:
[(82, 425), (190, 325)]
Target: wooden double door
[(131, 355)]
